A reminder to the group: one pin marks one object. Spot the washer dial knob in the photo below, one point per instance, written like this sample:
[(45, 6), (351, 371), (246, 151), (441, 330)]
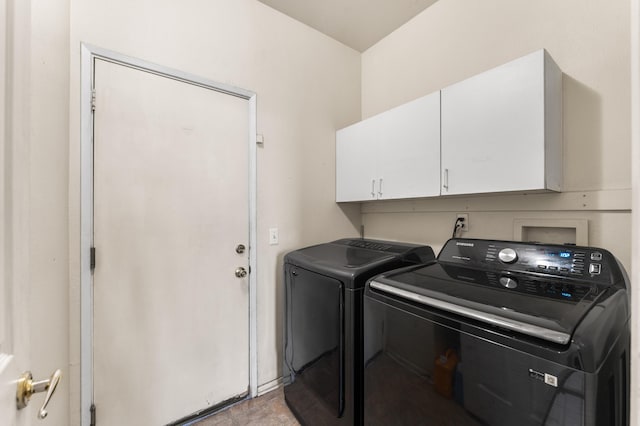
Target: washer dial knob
[(508, 282), (508, 255)]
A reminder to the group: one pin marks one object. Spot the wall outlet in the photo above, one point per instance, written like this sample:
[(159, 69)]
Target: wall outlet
[(465, 223), (273, 236)]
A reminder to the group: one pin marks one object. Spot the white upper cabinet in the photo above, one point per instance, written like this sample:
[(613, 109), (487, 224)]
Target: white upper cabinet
[(395, 154), (356, 161), (498, 131), (502, 129)]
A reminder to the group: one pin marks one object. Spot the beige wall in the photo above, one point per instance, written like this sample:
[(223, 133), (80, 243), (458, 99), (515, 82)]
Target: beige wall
[(455, 39), (590, 41), (307, 85)]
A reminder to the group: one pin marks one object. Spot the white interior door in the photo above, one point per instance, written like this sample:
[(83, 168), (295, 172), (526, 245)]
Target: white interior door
[(13, 173), (8, 370), (8, 374), (171, 318)]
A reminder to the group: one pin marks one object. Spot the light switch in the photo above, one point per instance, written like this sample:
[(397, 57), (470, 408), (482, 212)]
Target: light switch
[(273, 236)]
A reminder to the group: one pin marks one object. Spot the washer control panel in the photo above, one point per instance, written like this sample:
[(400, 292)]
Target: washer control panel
[(505, 257)]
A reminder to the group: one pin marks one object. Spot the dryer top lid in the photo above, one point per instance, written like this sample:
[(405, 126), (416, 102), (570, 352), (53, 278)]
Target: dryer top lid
[(352, 253)]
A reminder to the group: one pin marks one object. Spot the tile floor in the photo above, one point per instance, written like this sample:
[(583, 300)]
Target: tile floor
[(266, 410)]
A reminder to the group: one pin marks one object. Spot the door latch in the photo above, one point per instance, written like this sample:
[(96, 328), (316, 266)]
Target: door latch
[(27, 387), (241, 272)]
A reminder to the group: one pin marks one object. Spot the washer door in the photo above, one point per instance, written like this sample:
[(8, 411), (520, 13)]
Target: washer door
[(314, 341), (422, 365)]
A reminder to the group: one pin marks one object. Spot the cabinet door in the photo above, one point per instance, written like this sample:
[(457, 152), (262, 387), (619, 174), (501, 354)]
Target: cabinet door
[(356, 146), (409, 150), (493, 129)]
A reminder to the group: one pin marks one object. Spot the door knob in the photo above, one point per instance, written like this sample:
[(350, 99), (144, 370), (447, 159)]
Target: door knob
[(241, 272), (27, 387)]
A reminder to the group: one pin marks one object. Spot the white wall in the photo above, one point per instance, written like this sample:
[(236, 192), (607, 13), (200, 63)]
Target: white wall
[(307, 85), (455, 39)]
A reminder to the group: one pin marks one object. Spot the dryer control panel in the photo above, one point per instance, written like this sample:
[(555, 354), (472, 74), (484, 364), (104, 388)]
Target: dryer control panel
[(584, 263)]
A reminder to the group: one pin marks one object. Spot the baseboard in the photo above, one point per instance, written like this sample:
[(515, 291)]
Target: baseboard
[(269, 386)]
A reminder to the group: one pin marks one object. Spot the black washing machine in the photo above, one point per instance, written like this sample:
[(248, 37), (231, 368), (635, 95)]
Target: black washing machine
[(324, 285), (499, 333)]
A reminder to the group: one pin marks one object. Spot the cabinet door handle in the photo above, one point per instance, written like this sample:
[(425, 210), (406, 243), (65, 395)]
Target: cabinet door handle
[(445, 183), (373, 188), (380, 188)]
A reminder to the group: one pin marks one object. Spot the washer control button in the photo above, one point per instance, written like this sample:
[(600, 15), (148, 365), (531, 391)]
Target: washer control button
[(596, 255), (508, 282), (594, 268), (508, 255)]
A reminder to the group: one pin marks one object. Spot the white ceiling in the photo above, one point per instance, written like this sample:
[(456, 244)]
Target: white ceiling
[(357, 23)]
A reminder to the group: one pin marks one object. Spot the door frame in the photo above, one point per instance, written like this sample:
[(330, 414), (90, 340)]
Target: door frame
[(89, 54), (635, 210)]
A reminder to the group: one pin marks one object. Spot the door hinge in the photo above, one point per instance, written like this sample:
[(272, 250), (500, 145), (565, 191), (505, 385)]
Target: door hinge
[(92, 410), (93, 100), (93, 258)]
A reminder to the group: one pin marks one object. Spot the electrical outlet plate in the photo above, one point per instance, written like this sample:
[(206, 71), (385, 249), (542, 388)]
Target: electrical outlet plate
[(465, 224)]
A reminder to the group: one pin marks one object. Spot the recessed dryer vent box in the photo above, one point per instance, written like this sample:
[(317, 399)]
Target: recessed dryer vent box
[(552, 231)]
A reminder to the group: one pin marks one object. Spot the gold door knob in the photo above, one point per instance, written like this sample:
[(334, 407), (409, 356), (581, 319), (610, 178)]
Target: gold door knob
[(27, 387), (241, 272)]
